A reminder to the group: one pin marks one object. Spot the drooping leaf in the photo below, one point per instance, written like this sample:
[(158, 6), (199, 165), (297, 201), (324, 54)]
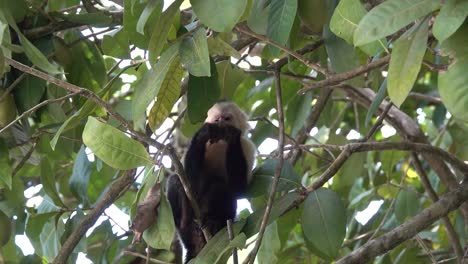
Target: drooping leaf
[(405, 63), (453, 84), (151, 6), (450, 18), (271, 246), (160, 235), (406, 205), (5, 224), (280, 20), (345, 20), (80, 176), (391, 16), (147, 88), (219, 15), (324, 222), (167, 96), (116, 44), (48, 182), (379, 97), (5, 164), (194, 54), (229, 78), (113, 147), (217, 46), (202, 93), (33, 53), (263, 177), (258, 19), (161, 30)]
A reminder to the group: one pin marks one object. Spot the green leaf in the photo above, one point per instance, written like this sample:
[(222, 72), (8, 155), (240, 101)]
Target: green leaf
[(345, 20), (278, 209), (229, 78), (168, 95), (80, 177), (194, 54), (48, 182), (202, 93), (149, 86), (5, 164), (113, 147), (405, 63), (161, 30), (281, 19), (450, 18), (151, 6), (406, 205), (220, 244), (116, 44), (258, 19), (324, 222), (219, 15), (50, 240), (161, 234), (391, 16), (453, 84), (263, 177), (217, 46), (379, 97), (5, 224), (33, 54), (271, 246)]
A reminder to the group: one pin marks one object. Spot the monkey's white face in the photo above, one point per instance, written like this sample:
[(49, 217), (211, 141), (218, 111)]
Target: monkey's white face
[(227, 113)]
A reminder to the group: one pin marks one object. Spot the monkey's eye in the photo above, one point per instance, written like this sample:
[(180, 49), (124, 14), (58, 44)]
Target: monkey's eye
[(227, 118)]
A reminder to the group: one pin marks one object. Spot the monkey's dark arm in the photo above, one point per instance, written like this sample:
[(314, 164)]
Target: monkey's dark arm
[(236, 163)]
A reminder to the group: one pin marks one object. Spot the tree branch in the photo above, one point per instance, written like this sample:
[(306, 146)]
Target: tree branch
[(339, 77), (112, 194), (279, 103), (409, 229)]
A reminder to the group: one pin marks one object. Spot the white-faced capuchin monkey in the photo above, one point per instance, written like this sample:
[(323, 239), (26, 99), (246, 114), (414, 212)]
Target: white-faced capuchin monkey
[(218, 165)]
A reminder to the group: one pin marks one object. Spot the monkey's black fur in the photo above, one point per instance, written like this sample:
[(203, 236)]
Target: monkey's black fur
[(216, 192)]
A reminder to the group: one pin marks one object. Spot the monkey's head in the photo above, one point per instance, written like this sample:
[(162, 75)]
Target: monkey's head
[(226, 112)]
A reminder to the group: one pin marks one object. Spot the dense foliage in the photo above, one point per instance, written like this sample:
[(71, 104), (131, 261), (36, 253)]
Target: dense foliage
[(354, 105)]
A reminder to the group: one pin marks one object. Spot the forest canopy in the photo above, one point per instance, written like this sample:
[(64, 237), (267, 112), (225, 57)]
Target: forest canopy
[(358, 109)]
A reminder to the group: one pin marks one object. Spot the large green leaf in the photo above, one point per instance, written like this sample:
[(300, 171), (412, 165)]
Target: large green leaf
[(219, 15), (324, 222), (391, 16), (281, 20), (453, 84), (450, 18), (5, 224), (149, 86), (406, 205), (113, 147), (271, 245), (263, 177), (202, 93), (194, 54), (405, 63), (345, 20), (258, 19), (167, 96), (161, 30)]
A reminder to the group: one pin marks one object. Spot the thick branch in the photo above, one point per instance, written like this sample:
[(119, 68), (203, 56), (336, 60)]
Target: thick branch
[(412, 227), (108, 198)]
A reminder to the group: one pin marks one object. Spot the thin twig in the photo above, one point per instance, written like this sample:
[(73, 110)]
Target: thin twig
[(34, 108), (279, 101), (378, 123), (299, 57), (235, 259), (139, 255)]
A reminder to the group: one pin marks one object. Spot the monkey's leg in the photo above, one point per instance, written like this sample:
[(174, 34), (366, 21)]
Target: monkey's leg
[(189, 231)]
